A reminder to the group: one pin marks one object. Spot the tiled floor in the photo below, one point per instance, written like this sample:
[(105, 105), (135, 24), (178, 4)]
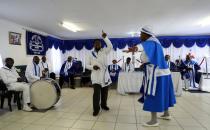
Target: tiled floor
[(74, 112)]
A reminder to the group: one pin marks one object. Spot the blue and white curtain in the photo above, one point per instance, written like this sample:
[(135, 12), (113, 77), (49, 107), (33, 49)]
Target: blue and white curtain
[(58, 50)]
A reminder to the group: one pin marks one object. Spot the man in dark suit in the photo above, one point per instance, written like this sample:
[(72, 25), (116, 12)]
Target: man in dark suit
[(67, 71), (170, 64)]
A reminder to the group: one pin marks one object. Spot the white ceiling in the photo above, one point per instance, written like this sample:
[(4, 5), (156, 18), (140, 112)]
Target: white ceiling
[(116, 17)]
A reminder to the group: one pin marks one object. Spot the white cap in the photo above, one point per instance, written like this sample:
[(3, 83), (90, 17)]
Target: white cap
[(147, 30)]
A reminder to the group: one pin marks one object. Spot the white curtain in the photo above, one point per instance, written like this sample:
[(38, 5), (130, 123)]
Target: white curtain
[(56, 57), (198, 52)]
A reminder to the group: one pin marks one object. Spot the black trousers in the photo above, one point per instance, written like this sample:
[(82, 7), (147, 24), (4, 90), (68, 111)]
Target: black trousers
[(99, 94), (53, 75), (63, 78)]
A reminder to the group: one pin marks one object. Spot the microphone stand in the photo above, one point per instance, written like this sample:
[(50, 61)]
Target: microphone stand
[(207, 69)]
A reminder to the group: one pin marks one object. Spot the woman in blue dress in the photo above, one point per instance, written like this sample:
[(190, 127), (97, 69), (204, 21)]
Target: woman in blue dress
[(157, 87)]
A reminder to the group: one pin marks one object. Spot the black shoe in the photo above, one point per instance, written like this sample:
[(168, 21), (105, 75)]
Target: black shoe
[(105, 108), (95, 113)]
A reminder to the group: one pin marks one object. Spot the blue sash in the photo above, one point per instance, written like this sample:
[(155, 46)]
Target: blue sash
[(36, 73), (94, 55)]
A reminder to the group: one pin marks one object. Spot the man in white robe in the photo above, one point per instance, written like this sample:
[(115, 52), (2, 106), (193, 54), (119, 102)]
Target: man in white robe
[(128, 66), (44, 67), (33, 70), (14, 82), (97, 63)]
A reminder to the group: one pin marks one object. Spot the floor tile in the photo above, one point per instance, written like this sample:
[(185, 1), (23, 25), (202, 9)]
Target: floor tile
[(126, 119), (103, 126), (80, 124), (125, 126), (64, 122)]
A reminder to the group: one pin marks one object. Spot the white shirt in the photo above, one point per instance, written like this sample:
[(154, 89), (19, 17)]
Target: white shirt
[(98, 76), (128, 67), (33, 72), (44, 65)]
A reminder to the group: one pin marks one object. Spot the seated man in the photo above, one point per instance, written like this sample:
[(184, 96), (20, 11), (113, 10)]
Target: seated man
[(128, 66), (67, 71), (114, 70), (33, 71), (45, 68), (170, 64), (189, 70), (13, 81)]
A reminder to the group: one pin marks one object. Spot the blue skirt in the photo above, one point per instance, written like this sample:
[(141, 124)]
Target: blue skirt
[(164, 96)]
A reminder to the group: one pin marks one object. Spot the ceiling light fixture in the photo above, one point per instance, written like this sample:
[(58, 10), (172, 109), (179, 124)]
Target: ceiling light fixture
[(204, 22), (133, 34), (70, 26)]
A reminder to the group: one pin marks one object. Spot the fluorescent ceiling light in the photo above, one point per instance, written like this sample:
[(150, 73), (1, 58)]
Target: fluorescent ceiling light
[(70, 26), (204, 22), (133, 34)]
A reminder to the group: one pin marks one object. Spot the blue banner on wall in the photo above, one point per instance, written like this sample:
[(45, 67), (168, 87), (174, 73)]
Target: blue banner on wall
[(35, 43)]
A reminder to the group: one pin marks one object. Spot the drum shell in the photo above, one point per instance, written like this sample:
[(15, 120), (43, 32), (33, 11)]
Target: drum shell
[(45, 94)]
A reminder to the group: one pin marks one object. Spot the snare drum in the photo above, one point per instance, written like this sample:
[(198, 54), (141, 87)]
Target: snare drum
[(45, 93)]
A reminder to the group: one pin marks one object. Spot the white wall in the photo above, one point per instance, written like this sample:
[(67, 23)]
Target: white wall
[(18, 52), (1, 63)]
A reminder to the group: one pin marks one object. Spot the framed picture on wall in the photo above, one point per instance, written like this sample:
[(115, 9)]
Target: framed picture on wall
[(14, 38)]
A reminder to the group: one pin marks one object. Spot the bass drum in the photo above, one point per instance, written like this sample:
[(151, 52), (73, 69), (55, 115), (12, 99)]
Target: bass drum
[(45, 93)]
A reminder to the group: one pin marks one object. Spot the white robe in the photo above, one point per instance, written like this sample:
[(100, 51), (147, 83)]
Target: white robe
[(102, 75), (45, 65), (31, 74), (9, 77), (128, 67)]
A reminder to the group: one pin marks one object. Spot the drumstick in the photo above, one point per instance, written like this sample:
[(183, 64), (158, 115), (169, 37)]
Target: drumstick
[(139, 61), (119, 60)]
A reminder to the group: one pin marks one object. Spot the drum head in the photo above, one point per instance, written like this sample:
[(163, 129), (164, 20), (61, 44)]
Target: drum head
[(43, 94)]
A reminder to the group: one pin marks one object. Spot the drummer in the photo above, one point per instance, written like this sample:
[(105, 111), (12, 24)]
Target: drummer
[(44, 66), (46, 69), (33, 71), (14, 82)]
